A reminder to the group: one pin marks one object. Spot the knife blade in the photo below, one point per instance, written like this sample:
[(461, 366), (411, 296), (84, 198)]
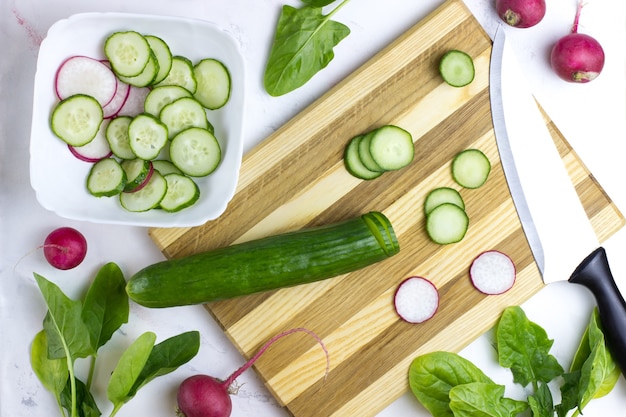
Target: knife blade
[(559, 233)]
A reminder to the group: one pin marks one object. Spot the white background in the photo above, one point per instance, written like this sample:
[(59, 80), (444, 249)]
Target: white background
[(592, 117)]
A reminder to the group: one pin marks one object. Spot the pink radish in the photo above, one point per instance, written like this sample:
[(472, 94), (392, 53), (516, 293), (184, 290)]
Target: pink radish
[(95, 150), (84, 75), (521, 13), (134, 101), (206, 396), (493, 272), (122, 91), (577, 57), (416, 300), (65, 248)]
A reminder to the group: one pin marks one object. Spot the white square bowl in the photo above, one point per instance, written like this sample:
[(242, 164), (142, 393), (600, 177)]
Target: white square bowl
[(58, 178)]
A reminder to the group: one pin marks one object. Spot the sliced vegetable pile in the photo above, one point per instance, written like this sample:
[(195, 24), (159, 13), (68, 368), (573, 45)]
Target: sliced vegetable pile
[(74, 329), (449, 385), (140, 105)]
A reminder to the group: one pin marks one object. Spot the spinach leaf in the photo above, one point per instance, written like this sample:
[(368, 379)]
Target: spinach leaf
[(569, 393), (317, 3), (87, 406), (303, 45), (483, 399), (52, 373), (432, 375), (166, 357), (541, 402), (523, 346), (128, 369), (67, 335), (106, 305)]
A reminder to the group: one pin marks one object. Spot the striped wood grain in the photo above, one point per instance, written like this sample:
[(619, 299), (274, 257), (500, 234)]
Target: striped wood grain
[(296, 178)]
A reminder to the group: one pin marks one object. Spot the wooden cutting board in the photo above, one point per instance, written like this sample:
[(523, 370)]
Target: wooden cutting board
[(296, 178)]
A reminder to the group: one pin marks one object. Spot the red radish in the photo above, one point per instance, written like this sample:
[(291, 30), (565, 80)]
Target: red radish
[(84, 75), (206, 396), (492, 272), (95, 150), (65, 248), (577, 57), (416, 300), (122, 91), (521, 13), (134, 102)]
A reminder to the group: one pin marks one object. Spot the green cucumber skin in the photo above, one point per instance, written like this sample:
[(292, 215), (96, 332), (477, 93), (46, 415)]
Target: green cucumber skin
[(269, 263)]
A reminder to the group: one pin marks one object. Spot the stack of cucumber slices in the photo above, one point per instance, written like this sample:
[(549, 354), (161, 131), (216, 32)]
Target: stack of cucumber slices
[(139, 116)]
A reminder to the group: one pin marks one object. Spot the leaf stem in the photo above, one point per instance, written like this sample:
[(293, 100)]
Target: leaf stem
[(336, 9), (92, 367)]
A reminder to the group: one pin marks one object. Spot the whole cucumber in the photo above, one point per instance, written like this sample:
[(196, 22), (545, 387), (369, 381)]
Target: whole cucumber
[(269, 263)]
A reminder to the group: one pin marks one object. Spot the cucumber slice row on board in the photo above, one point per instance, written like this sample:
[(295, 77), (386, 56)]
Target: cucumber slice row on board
[(387, 148)]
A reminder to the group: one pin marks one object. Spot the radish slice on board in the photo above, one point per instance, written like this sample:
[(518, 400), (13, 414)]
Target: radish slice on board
[(416, 300), (84, 75), (95, 150), (492, 272), (134, 102)]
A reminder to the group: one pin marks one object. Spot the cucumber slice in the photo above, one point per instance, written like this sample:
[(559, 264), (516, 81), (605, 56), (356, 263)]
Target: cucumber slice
[(392, 147), (128, 52), (470, 168), (163, 56), (353, 162), (182, 114), (365, 155), (106, 178), (137, 172), (77, 119), (442, 195), (148, 197), (182, 192), (165, 167), (457, 68), (117, 136), (161, 96), (145, 77), (181, 73), (213, 83), (195, 151), (147, 136), (447, 223)]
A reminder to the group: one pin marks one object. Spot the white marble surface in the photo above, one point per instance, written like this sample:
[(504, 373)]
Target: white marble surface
[(592, 117)]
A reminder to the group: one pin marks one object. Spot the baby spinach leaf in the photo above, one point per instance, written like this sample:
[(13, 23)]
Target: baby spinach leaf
[(317, 3), (106, 305), (167, 356), (52, 373), (483, 399), (67, 335), (87, 406), (569, 393), (523, 346), (303, 45), (541, 402), (128, 369), (433, 375)]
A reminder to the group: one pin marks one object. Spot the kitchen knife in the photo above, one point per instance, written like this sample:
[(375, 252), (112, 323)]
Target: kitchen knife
[(562, 241)]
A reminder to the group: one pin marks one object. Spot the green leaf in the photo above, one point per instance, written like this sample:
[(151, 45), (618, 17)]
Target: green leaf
[(483, 399), (106, 305), (166, 357), (541, 403), (52, 373), (569, 393), (67, 335), (87, 406), (523, 346), (302, 46), (317, 3), (129, 368), (433, 375)]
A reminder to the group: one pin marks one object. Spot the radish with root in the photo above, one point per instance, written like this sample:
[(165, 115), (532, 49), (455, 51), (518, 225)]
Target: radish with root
[(577, 57), (492, 272), (416, 300), (65, 248), (207, 396), (521, 13)]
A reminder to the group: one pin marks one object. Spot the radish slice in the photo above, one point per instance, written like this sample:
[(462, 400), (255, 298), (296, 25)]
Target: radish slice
[(145, 180), (493, 272), (84, 75), (114, 106), (134, 102), (416, 300), (95, 150)]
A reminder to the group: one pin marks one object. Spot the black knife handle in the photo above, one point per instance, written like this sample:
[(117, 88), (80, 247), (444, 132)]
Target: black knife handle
[(595, 274)]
